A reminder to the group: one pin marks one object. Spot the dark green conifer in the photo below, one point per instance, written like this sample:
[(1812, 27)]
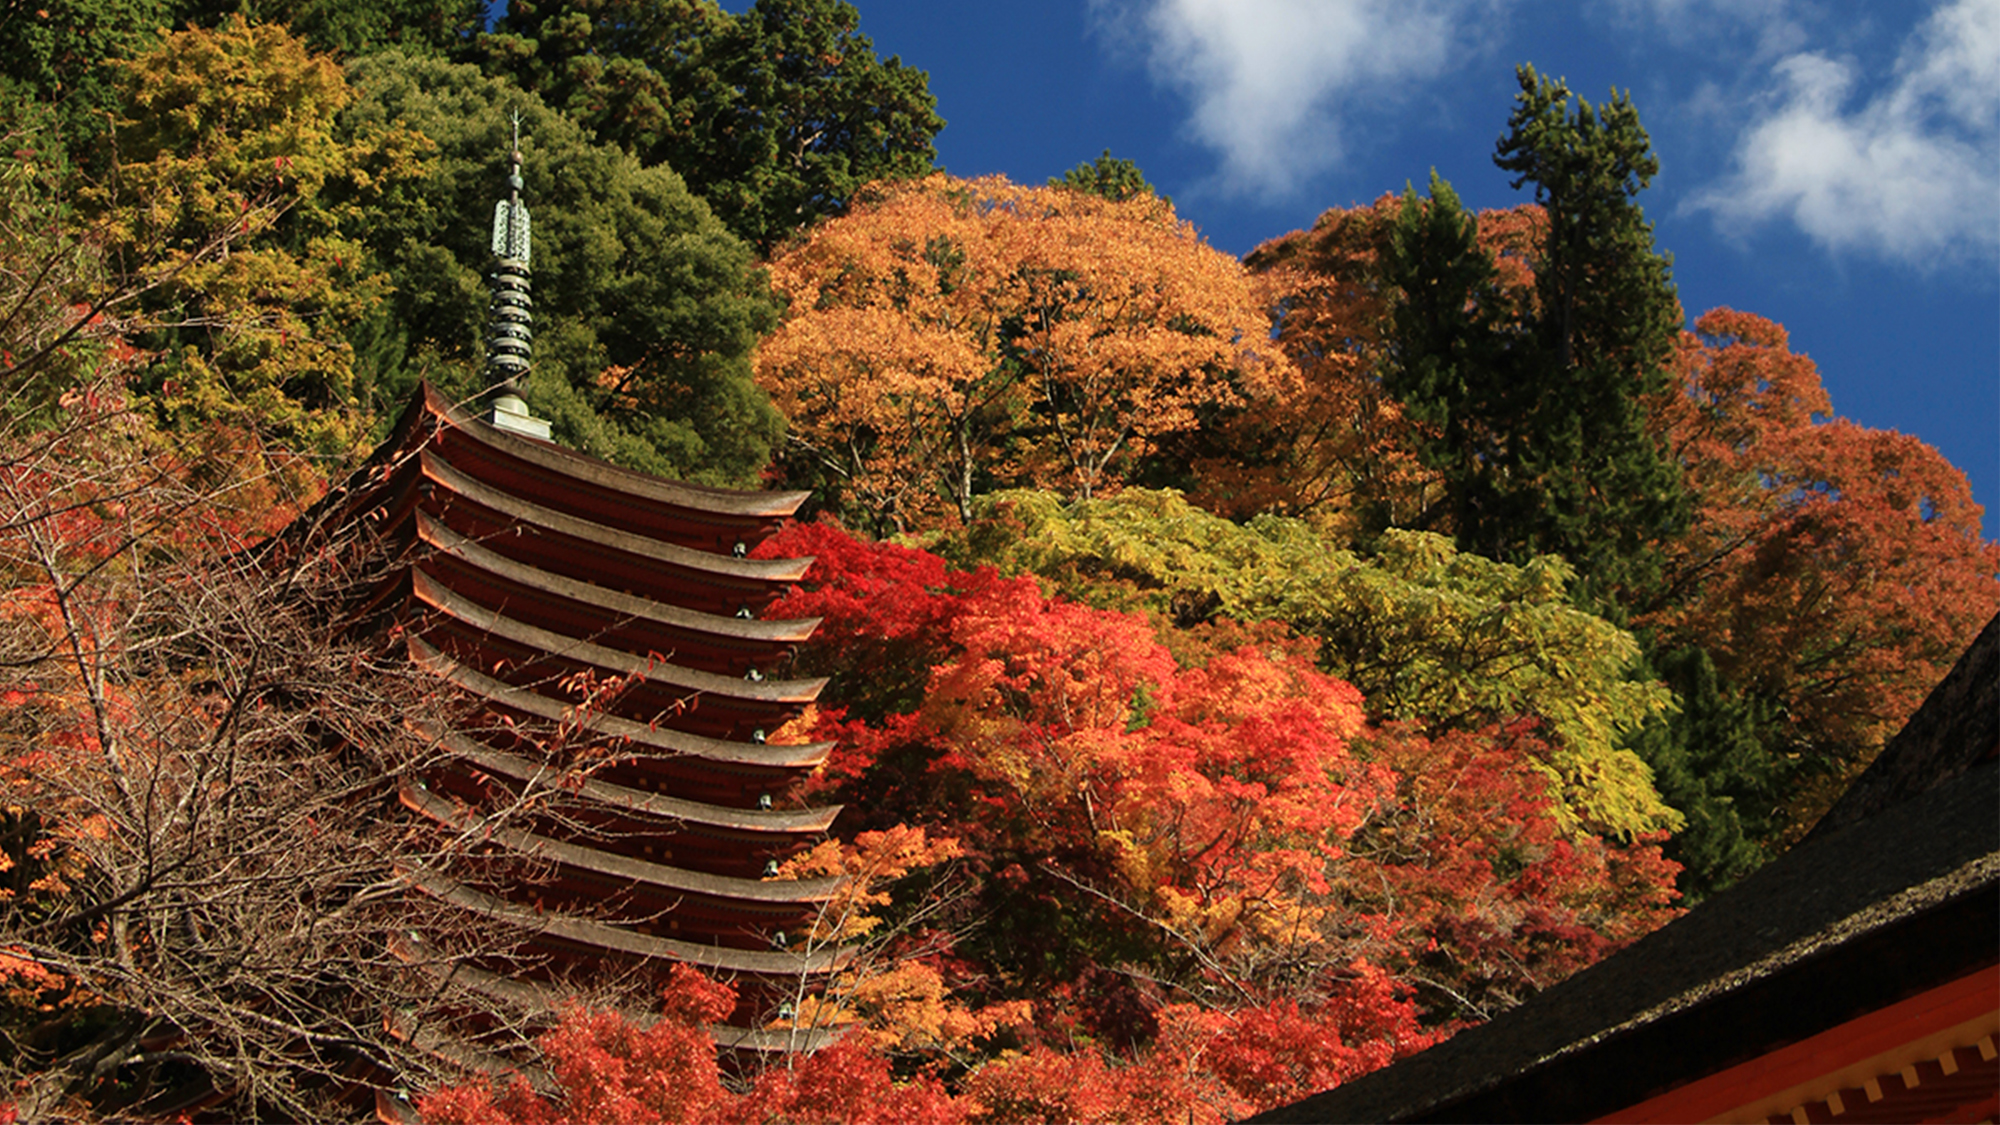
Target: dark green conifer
[(1587, 478), (646, 309), (775, 116), (1108, 176), (1447, 364)]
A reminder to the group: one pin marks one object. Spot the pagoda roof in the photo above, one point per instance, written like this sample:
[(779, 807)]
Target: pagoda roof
[(625, 799), (545, 518), (447, 543), (527, 577), (535, 998), (588, 483), (790, 891), (650, 668), (612, 939), (665, 741)]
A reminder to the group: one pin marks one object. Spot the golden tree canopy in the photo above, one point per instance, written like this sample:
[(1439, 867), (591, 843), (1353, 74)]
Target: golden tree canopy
[(950, 336)]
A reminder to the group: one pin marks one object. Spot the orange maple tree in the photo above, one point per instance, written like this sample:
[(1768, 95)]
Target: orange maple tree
[(948, 335), (1836, 569)]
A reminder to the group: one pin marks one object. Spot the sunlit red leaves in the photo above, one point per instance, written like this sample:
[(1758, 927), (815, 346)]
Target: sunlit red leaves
[(848, 1083), (1291, 886), (605, 1067), (1467, 876), (1206, 1066), (1209, 803)]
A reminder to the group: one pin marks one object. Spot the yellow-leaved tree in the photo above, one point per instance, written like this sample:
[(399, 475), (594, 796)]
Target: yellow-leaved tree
[(230, 137), (946, 337)]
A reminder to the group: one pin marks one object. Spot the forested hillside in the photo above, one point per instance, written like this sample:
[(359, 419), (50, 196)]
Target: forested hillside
[(1244, 672)]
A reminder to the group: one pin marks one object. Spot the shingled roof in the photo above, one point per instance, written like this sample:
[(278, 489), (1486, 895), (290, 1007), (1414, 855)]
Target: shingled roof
[(1893, 900)]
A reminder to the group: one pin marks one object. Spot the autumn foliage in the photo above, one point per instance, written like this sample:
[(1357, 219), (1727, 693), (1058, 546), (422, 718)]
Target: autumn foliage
[(1290, 894), (1835, 569), (1242, 674), (946, 336), (1212, 812)]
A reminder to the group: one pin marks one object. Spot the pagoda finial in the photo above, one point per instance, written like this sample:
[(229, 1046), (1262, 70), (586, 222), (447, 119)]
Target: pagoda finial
[(507, 347)]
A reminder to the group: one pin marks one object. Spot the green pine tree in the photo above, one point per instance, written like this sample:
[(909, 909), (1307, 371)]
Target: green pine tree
[(1114, 179), (1585, 477)]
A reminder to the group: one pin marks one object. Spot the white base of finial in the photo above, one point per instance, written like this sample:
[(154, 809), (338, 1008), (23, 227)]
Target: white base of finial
[(511, 414)]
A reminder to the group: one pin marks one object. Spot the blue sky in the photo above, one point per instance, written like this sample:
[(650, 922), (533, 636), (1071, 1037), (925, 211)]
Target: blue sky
[(1834, 166)]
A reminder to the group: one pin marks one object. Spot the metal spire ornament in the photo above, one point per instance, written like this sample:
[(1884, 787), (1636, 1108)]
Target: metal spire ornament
[(513, 334)]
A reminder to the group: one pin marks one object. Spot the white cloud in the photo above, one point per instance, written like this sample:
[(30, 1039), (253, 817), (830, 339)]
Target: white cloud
[(1907, 172), (1764, 28), (1269, 80)]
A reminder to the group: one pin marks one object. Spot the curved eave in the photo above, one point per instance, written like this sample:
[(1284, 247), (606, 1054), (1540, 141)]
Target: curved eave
[(775, 1040), (777, 821), (441, 1044), (613, 602), (448, 602), (668, 742), (616, 866), (535, 999), (600, 935), (773, 571), (593, 473)]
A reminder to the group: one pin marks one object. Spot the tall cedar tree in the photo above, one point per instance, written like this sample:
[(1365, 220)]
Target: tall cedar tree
[(1557, 407), (775, 116), (1449, 356)]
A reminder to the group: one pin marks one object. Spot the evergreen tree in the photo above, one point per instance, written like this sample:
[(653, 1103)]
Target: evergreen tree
[(1720, 760), (1446, 362), (57, 51), (1586, 477), (347, 28), (1107, 176), (775, 117)]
